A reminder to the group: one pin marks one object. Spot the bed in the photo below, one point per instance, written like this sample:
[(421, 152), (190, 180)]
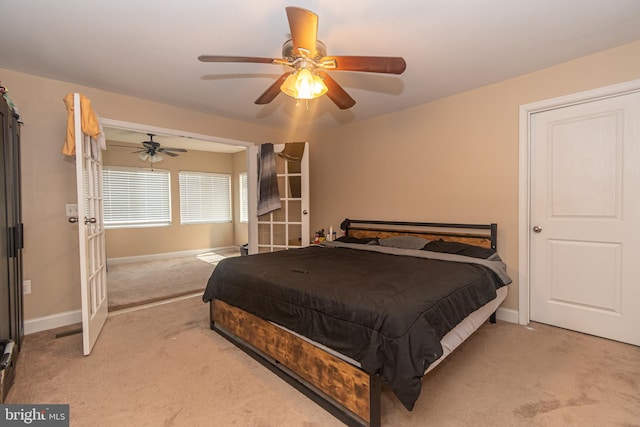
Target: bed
[(384, 303)]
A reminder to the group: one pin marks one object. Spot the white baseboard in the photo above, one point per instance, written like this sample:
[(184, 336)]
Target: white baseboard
[(507, 315), (166, 255), (67, 318), (45, 323)]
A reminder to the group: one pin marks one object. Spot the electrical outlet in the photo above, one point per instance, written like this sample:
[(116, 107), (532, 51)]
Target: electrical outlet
[(26, 287)]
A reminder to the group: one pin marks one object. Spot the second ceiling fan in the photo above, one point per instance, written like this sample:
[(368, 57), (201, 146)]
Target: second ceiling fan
[(151, 150), (308, 57)]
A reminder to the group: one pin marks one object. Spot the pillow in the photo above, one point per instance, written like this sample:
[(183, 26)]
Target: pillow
[(404, 242), (458, 249), (361, 241)]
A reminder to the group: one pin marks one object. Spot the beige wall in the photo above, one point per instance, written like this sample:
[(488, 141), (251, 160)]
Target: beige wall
[(126, 242), (452, 160), (48, 177)]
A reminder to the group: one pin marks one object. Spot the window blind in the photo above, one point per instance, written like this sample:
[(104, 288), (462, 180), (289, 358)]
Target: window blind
[(136, 197), (204, 197), (244, 199)]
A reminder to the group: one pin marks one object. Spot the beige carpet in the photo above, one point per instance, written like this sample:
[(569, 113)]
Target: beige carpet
[(163, 366), (142, 282)]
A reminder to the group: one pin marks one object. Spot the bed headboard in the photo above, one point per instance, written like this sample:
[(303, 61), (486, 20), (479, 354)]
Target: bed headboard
[(483, 235)]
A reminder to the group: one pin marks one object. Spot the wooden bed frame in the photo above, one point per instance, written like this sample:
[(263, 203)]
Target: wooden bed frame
[(346, 391)]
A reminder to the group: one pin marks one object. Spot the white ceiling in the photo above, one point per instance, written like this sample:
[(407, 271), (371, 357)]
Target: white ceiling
[(126, 139), (149, 49)]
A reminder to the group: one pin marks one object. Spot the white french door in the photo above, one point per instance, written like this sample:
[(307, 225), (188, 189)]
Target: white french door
[(585, 217), (93, 277), (287, 227)]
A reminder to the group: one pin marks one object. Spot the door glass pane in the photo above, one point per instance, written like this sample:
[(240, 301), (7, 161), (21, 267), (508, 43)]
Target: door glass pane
[(294, 166), (295, 210), (279, 215), (295, 186), (264, 234), (279, 234), (295, 235)]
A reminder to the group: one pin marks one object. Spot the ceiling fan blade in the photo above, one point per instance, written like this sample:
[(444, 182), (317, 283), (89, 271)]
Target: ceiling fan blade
[(122, 145), (336, 93), (370, 64), (169, 153), (221, 58), (272, 91), (304, 30), (165, 149)]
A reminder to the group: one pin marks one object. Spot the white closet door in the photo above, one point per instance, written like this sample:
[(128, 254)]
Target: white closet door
[(585, 217)]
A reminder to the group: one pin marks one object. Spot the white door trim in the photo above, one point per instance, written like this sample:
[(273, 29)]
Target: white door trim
[(166, 131), (524, 205)]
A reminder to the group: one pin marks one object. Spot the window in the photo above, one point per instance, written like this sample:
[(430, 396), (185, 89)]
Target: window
[(136, 197), (204, 197), (244, 199)]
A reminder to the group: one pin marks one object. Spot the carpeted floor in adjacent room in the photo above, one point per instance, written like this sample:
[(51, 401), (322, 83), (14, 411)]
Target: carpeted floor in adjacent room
[(163, 366), (131, 284)]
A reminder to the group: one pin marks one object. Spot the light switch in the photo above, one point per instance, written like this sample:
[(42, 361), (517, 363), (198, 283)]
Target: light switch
[(71, 209)]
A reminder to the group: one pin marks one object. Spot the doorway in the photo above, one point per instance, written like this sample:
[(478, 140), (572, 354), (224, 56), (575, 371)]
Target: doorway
[(580, 215), (152, 263)]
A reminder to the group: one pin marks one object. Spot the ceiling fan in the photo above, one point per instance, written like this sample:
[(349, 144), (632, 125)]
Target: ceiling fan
[(308, 57), (151, 150)]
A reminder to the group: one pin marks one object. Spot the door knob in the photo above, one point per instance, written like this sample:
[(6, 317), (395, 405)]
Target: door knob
[(90, 220), (73, 219), (537, 229)]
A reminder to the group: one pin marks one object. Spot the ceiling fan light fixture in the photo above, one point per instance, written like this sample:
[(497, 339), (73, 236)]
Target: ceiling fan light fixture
[(155, 158), (304, 84), (152, 158), (288, 87)]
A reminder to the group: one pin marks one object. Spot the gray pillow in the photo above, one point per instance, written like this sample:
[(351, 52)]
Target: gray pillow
[(404, 242)]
